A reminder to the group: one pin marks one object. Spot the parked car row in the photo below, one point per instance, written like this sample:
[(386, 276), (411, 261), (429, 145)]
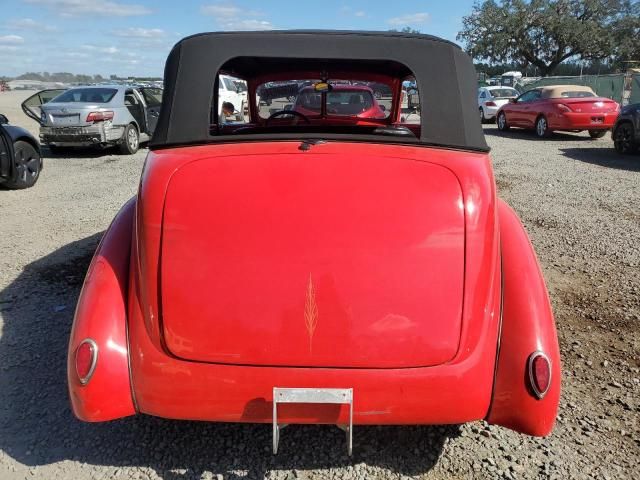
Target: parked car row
[(571, 108)]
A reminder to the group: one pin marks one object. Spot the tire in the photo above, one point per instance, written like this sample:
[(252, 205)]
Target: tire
[(623, 139), (28, 165), (542, 127), (130, 140), (482, 117), (597, 133), (503, 126)]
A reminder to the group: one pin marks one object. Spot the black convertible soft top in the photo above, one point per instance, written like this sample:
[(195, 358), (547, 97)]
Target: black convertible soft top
[(445, 77)]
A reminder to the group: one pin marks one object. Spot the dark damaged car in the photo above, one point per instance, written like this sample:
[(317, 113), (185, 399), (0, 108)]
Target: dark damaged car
[(20, 160)]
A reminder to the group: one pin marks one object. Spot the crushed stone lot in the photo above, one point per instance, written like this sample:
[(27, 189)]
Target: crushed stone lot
[(579, 202)]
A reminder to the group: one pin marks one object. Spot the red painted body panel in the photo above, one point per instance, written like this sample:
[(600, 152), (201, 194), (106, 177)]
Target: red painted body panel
[(101, 315), (170, 387), (460, 389), (584, 111), (377, 241), (527, 326)]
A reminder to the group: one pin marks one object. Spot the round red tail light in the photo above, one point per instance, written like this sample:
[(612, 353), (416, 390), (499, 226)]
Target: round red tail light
[(86, 358), (539, 367)]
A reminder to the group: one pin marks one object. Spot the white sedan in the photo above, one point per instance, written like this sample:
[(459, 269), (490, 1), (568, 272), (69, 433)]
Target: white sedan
[(490, 99)]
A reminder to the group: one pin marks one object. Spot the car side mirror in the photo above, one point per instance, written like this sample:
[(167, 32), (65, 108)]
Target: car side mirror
[(513, 100), (3, 119)]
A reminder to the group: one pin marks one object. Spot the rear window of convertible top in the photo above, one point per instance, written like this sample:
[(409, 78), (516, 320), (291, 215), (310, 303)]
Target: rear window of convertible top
[(357, 96), (86, 95)]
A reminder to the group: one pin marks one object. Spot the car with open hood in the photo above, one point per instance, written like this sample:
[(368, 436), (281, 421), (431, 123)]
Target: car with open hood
[(571, 108), (98, 116), (317, 266)]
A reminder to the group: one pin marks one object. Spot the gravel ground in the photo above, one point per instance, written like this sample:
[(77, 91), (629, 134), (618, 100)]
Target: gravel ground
[(579, 202)]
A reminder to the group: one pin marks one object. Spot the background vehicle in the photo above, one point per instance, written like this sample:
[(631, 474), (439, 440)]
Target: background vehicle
[(626, 131), (362, 269), (234, 90), (351, 100), (20, 160), (563, 107), (490, 99), (96, 116)]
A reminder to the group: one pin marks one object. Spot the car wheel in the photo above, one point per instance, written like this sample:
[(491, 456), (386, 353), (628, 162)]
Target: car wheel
[(623, 139), (130, 140), (482, 117), (28, 163), (502, 122), (542, 127), (597, 133)]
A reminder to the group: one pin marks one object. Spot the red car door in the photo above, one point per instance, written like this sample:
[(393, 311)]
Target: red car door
[(520, 111), (532, 108)]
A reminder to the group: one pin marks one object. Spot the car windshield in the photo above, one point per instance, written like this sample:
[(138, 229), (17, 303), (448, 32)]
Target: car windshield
[(86, 95), (354, 98), (577, 94), (503, 92), (342, 102)]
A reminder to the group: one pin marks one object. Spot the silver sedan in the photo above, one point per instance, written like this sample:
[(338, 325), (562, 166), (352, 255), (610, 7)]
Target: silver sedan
[(96, 116)]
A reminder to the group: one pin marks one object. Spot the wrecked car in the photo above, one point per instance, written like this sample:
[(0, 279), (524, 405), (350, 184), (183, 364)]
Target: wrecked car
[(99, 116)]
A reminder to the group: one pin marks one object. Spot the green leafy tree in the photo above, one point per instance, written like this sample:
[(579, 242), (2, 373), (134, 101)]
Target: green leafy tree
[(543, 33), (626, 36)]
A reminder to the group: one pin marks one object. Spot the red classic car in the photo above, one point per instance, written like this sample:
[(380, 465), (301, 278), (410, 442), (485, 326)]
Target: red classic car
[(317, 268), (342, 100), (570, 108)]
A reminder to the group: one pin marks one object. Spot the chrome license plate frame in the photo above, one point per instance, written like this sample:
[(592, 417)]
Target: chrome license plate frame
[(341, 396)]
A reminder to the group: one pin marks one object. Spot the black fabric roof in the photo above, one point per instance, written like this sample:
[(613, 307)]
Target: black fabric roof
[(445, 77)]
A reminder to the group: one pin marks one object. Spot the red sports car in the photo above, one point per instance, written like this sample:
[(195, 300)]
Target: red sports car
[(570, 108), (317, 268)]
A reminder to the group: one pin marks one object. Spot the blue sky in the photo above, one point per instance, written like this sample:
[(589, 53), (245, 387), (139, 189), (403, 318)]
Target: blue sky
[(133, 37)]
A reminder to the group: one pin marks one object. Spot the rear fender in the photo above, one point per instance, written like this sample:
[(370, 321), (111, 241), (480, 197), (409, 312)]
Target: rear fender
[(527, 326), (101, 316)]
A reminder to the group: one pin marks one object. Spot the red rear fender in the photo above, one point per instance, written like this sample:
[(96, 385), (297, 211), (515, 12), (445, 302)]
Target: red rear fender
[(527, 327), (101, 317)]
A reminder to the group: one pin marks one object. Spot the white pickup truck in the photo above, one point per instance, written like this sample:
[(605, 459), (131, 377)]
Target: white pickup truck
[(233, 90)]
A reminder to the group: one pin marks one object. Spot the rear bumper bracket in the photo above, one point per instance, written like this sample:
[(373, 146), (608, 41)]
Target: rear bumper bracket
[(312, 395)]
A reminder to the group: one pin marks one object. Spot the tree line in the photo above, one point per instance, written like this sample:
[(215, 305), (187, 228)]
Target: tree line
[(66, 77), (544, 34)]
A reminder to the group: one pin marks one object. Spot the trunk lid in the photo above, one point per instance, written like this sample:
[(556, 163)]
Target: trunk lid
[(589, 104), (313, 260)]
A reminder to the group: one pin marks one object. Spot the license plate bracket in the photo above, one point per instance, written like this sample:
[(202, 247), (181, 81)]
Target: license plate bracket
[(343, 396)]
